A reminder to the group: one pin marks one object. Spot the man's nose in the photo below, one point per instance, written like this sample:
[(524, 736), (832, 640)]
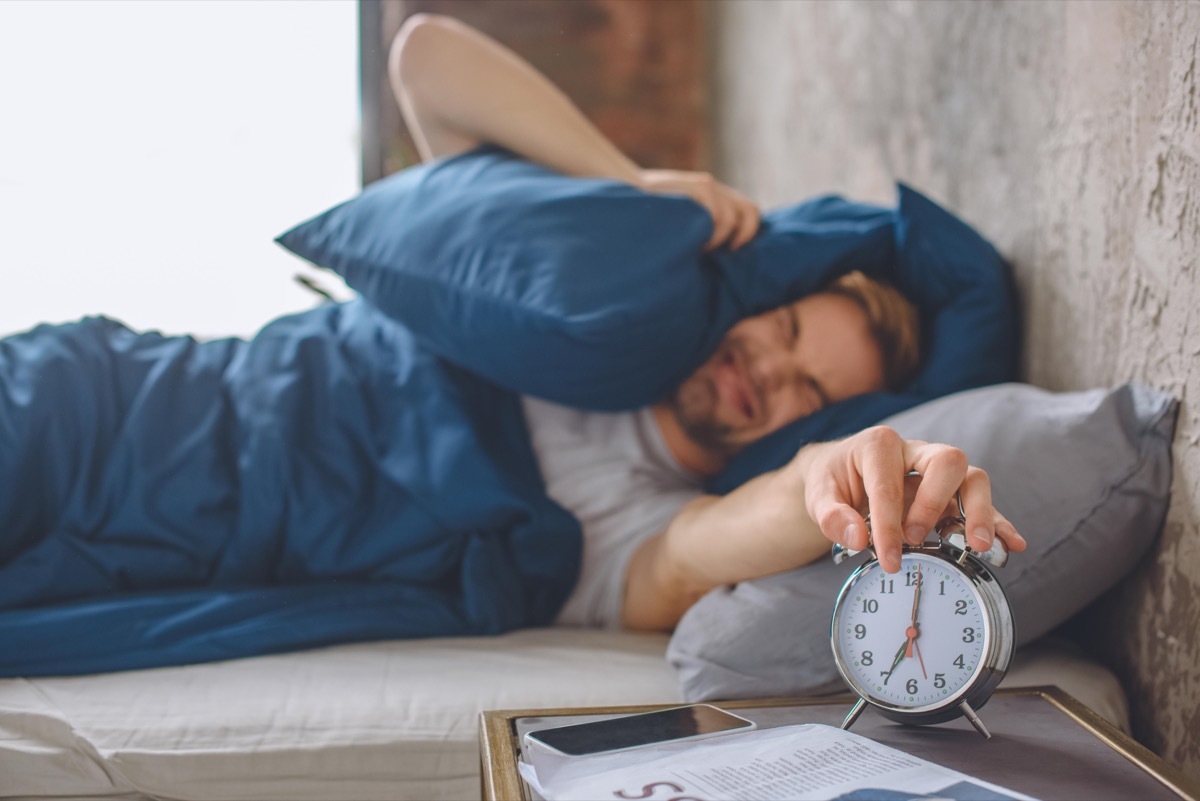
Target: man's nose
[(774, 370)]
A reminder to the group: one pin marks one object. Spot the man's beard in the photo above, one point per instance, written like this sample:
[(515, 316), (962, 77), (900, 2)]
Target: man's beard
[(693, 404)]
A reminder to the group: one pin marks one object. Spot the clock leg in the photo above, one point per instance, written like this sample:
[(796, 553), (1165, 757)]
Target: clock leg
[(854, 713), (971, 716)]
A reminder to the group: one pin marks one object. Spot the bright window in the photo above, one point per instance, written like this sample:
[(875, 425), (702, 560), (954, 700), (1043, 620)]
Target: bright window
[(151, 151)]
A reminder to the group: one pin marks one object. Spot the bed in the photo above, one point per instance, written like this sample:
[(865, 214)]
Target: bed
[(397, 719), (386, 720)]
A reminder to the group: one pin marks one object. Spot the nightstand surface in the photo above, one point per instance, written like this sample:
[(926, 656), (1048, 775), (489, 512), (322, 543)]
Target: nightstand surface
[(1044, 743)]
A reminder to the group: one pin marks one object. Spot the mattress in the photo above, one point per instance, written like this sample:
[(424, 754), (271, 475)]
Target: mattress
[(389, 720)]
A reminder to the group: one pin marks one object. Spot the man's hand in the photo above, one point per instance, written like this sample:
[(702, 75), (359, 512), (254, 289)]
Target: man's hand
[(866, 472), (735, 217), (786, 518)]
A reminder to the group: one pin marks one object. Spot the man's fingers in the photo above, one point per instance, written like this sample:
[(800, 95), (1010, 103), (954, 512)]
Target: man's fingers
[(840, 523), (1009, 534), (749, 219), (724, 219), (870, 469), (882, 467), (945, 471), (735, 217), (942, 470), (981, 515)]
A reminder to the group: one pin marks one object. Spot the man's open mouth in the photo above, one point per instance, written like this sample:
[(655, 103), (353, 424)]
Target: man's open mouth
[(736, 386)]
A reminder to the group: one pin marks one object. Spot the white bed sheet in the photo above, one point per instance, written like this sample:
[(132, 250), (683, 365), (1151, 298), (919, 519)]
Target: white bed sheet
[(390, 720)]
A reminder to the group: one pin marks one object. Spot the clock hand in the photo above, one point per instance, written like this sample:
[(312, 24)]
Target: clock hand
[(899, 657), (910, 634), (912, 629), (917, 596), (919, 659)]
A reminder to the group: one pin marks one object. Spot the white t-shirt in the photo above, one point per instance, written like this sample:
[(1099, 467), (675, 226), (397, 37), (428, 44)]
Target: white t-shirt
[(616, 475)]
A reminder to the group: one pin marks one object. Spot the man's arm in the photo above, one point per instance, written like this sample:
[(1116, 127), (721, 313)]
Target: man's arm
[(786, 519), (458, 88)]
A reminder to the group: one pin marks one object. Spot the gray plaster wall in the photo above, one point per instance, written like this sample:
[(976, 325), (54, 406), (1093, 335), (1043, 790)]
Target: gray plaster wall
[(1069, 133)]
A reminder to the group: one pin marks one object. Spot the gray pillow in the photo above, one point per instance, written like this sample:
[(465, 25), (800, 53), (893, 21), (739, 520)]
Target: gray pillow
[(1084, 476)]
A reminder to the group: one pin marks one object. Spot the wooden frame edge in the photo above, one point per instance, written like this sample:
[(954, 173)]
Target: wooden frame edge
[(498, 772)]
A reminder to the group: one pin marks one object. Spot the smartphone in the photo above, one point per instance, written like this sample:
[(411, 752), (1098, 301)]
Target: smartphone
[(692, 722)]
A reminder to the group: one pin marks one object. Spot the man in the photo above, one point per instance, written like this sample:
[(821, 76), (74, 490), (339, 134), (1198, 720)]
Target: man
[(653, 543)]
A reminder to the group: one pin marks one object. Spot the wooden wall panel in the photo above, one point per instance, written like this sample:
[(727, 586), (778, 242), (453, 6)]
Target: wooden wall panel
[(638, 70)]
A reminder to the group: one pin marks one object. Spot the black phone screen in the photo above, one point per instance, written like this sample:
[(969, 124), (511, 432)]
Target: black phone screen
[(630, 731)]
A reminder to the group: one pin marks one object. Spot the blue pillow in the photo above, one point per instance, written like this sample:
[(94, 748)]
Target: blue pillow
[(585, 292), (580, 291), (594, 294)]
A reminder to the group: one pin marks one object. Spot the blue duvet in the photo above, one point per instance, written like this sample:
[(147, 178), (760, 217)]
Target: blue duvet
[(168, 501)]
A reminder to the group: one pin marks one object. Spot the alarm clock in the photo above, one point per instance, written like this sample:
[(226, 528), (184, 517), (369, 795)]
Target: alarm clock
[(930, 643)]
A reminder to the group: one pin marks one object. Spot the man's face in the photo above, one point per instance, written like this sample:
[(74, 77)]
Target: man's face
[(775, 368)]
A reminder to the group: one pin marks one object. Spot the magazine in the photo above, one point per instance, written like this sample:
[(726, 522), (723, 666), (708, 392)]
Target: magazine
[(806, 761)]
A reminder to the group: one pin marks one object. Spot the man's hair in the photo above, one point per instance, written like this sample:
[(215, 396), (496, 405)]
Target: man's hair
[(894, 322)]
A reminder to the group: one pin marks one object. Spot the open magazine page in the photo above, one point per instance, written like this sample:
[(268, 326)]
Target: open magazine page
[(807, 761)]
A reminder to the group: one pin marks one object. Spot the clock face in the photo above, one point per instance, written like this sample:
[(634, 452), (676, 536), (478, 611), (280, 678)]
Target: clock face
[(911, 640)]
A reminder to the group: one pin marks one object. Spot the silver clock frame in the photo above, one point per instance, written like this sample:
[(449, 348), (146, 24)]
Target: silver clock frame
[(1000, 633)]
